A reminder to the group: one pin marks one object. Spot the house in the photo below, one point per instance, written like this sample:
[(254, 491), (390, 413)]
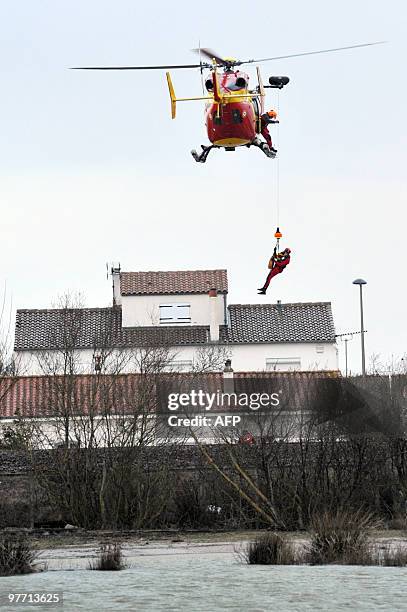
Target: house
[(187, 312), (89, 410)]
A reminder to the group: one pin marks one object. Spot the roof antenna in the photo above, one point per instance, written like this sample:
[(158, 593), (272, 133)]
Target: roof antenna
[(112, 267), (114, 272)]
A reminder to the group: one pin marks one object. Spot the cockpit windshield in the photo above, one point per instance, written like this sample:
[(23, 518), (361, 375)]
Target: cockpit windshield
[(234, 81)]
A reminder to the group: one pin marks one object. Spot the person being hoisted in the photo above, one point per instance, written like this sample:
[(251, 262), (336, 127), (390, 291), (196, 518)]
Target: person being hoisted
[(265, 120), (277, 264)]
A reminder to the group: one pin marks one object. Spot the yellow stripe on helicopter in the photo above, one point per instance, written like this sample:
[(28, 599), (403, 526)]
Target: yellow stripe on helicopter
[(231, 142), (223, 98)]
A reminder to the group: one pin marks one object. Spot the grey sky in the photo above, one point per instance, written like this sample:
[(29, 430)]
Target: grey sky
[(92, 168)]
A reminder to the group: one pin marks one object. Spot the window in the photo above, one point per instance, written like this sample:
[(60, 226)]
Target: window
[(320, 348), (179, 365), (174, 313), (283, 364)]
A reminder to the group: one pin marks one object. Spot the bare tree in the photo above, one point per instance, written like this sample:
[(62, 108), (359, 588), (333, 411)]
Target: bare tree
[(10, 370), (102, 421), (335, 442), (393, 366)]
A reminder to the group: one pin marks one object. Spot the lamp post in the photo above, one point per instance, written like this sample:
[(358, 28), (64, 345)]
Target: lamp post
[(361, 282)]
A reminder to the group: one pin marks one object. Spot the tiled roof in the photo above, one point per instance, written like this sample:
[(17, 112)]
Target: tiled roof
[(80, 327), (298, 322), (102, 327), (95, 328), (169, 283), (35, 396), (45, 395)]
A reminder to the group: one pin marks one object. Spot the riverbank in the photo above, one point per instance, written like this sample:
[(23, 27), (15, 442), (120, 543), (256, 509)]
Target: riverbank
[(74, 549), (203, 573)]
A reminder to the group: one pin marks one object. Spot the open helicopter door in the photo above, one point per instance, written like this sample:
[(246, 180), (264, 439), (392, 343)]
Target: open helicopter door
[(216, 91), (261, 90), (261, 96)]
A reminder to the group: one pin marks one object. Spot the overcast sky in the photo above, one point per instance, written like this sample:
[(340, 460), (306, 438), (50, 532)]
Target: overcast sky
[(93, 169)]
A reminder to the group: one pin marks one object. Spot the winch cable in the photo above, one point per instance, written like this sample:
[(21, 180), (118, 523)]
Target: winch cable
[(277, 234)]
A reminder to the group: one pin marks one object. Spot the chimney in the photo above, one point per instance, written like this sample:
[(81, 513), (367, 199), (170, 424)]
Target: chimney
[(213, 319), (228, 377), (117, 296)]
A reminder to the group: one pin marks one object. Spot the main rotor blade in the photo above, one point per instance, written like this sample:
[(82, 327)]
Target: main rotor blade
[(136, 67), (269, 59), (211, 55), (221, 62)]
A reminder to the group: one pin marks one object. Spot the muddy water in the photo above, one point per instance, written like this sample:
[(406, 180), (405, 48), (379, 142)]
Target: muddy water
[(210, 578)]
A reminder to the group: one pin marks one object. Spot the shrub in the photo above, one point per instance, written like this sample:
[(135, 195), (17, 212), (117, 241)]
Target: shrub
[(340, 537), (16, 555), (398, 523), (269, 549), (110, 558), (196, 508), (394, 557)]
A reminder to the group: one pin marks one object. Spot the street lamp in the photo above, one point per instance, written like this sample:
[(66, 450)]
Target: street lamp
[(361, 282)]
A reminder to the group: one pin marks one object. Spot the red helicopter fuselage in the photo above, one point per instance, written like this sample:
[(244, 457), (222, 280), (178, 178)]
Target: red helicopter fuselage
[(234, 126), (232, 119)]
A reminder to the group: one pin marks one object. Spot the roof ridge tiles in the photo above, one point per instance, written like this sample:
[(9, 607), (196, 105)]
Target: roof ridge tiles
[(276, 305), (87, 308), (173, 282), (172, 271)]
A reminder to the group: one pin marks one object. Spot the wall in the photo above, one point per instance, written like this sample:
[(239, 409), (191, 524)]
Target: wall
[(29, 363), (143, 310), (245, 357), (252, 357)]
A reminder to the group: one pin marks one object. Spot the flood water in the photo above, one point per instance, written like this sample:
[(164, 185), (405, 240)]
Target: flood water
[(209, 579)]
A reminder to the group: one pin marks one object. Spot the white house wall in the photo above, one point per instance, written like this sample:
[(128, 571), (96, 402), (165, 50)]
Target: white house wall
[(144, 310), (50, 432), (253, 357), (245, 357)]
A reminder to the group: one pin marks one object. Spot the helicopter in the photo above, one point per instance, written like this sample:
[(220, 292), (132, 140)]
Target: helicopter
[(234, 113)]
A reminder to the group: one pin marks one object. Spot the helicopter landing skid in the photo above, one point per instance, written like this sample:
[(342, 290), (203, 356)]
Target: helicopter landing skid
[(201, 158), (263, 146)]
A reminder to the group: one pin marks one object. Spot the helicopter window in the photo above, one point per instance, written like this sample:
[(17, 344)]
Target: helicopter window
[(233, 86), (209, 84)]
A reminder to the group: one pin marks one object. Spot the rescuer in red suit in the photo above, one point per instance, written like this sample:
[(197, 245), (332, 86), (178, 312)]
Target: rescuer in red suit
[(278, 262), (267, 119)]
